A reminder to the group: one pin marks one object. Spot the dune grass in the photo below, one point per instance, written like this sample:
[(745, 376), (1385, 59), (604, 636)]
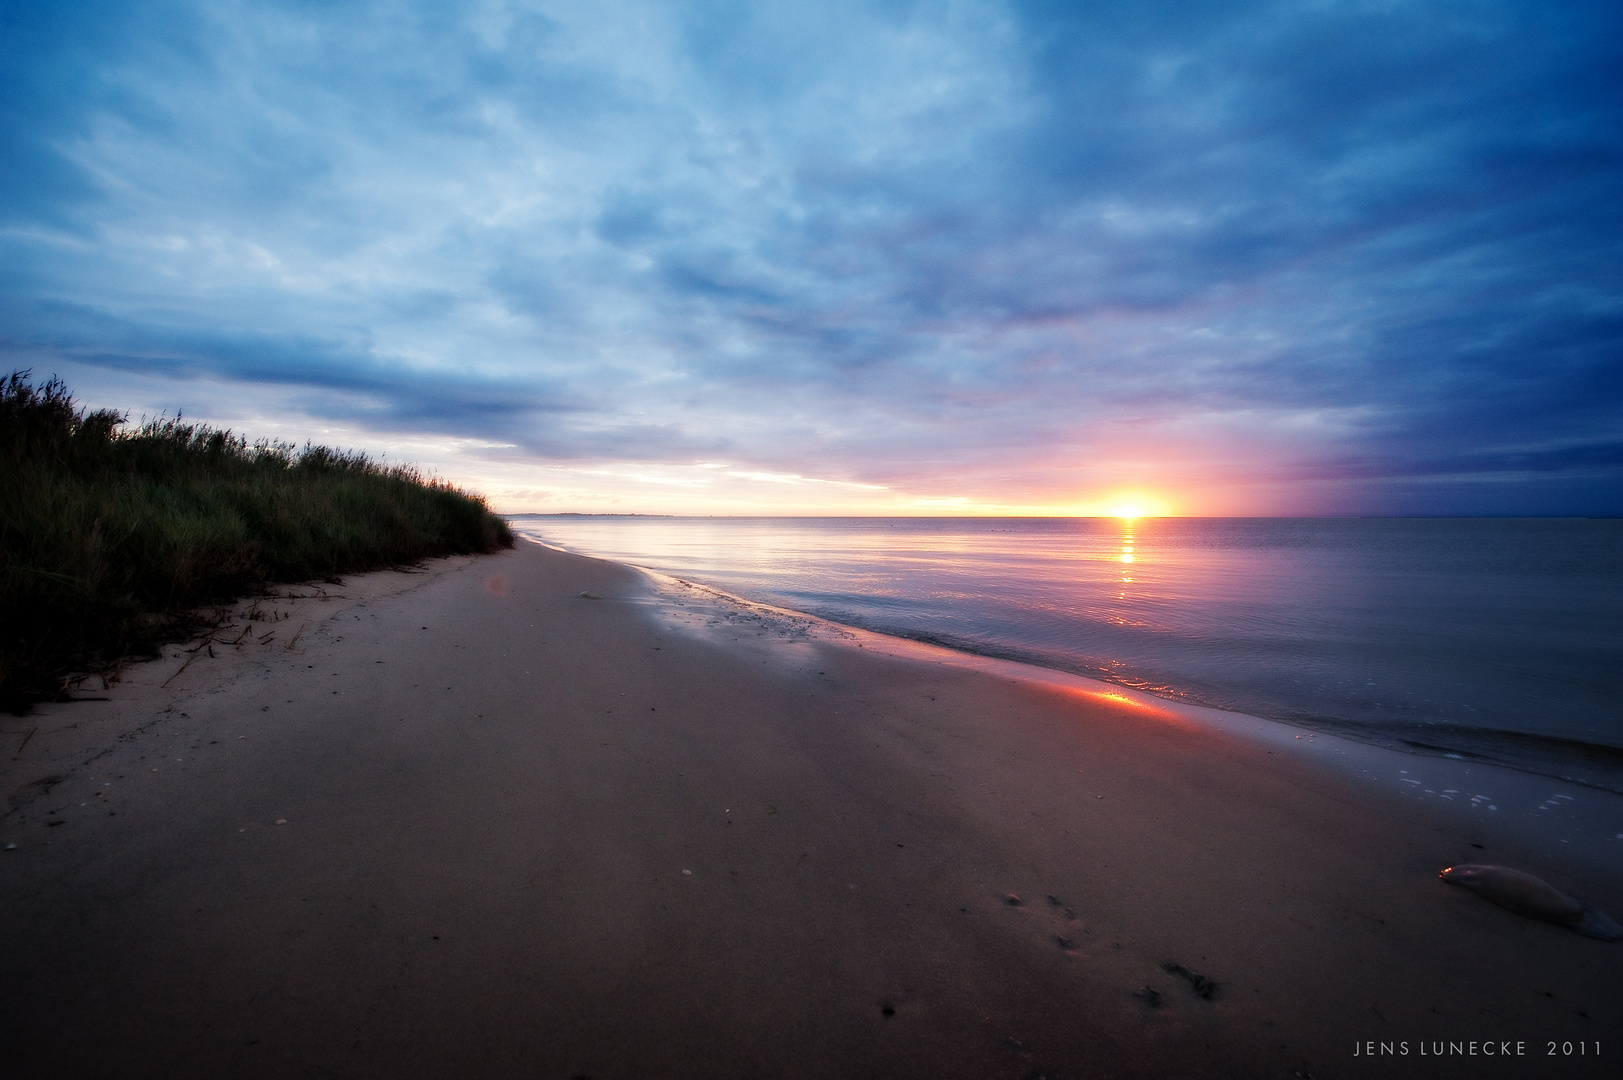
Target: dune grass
[(111, 536)]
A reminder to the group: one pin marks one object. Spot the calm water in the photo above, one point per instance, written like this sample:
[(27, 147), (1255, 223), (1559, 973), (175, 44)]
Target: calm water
[(1500, 639)]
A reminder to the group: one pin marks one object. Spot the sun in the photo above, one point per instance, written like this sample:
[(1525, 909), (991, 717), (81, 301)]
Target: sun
[(1130, 505)]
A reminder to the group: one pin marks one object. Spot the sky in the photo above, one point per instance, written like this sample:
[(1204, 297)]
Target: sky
[(1285, 258)]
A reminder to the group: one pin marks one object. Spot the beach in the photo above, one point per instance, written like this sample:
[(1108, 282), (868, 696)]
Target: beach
[(509, 817)]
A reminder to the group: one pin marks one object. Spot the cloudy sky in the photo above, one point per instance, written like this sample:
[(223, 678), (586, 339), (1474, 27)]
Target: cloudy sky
[(889, 257)]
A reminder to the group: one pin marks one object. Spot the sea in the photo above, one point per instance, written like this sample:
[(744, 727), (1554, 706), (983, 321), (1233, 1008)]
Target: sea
[(1494, 640)]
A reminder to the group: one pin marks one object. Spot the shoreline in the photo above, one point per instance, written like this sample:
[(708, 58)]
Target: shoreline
[(1590, 813), (486, 824), (1530, 808), (1524, 739)]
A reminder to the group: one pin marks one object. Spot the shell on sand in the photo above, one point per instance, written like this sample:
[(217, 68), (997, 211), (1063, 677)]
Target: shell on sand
[(1521, 892)]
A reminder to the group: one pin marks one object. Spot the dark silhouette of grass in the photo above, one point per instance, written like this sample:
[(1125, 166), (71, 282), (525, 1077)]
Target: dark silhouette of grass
[(110, 537)]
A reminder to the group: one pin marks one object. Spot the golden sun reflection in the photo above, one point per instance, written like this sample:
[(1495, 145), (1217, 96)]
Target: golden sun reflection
[(1107, 697)]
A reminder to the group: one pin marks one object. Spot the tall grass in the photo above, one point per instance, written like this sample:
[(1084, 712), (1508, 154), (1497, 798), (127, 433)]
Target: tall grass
[(108, 535)]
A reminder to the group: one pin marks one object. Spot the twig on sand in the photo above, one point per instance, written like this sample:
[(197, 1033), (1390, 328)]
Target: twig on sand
[(195, 653)]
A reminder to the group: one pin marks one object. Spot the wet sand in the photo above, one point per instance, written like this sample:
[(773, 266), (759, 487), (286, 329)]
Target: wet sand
[(475, 824)]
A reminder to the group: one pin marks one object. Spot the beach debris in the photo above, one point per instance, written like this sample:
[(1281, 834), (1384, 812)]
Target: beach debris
[(1012, 900), (1203, 987), (591, 596), (1534, 898), (11, 847), (194, 655), (1150, 996), (281, 821)]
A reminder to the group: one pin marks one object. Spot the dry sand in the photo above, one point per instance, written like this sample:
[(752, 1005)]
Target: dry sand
[(474, 824)]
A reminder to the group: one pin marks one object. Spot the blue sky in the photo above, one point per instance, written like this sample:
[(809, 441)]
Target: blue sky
[(874, 257)]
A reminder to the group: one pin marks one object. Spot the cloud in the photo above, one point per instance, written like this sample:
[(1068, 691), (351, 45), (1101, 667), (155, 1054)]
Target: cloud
[(901, 245)]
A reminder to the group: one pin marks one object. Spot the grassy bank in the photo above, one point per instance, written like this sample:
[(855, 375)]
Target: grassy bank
[(110, 535)]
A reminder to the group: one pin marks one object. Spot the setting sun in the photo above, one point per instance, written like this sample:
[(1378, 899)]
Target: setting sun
[(1130, 506)]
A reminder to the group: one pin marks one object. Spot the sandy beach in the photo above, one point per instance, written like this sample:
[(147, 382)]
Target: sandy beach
[(473, 823)]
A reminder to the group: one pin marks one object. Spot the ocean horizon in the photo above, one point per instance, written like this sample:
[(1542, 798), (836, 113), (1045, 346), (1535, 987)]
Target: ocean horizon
[(1492, 639)]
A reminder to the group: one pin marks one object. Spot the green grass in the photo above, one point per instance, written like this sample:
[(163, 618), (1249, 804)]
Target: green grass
[(110, 537)]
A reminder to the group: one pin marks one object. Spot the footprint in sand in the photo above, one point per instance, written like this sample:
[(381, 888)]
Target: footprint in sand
[(1203, 987)]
